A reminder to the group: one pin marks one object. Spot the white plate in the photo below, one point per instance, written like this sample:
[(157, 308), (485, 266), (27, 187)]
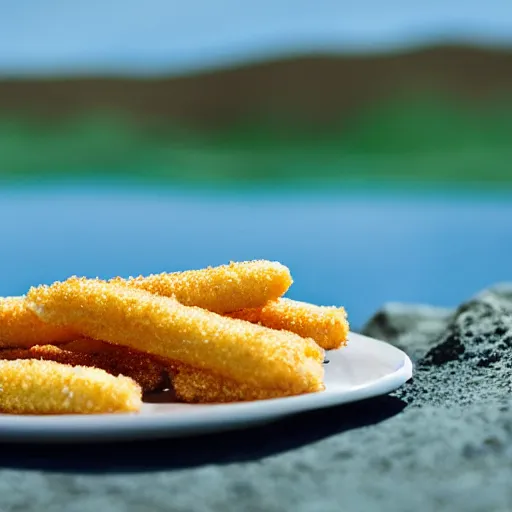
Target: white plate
[(365, 368)]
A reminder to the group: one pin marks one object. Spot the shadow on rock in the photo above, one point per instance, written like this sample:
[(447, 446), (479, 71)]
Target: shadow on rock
[(231, 447)]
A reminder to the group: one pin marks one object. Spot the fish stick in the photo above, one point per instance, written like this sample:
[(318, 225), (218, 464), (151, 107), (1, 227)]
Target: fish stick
[(328, 326), (189, 384), (90, 346), (162, 326), (192, 385), (114, 359), (46, 387), (20, 327), (223, 289), (149, 372)]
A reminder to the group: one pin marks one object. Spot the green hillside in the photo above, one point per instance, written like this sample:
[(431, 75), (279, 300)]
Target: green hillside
[(406, 141)]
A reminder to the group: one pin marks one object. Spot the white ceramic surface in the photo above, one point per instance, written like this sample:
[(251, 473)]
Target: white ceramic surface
[(365, 368)]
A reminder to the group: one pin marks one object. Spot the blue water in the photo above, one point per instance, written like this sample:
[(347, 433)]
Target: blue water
[(354, 250)]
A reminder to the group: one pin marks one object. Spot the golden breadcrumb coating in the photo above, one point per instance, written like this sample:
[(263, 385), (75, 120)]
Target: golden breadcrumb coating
[(114, 359), (20, 327), (46, 387), (231, 348), (248, 284), (328, 326), (200, 386)]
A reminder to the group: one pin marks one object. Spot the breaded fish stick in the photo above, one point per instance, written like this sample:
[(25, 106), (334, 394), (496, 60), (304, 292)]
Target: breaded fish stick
[(199, 386), (230, 348), (221, 289), (328, 326), (114, 359), (47, 387), (90, 346), (20, 327)]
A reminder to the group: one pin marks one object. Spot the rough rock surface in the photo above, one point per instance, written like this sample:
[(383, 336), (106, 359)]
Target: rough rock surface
[(441, 443), (412, 328)]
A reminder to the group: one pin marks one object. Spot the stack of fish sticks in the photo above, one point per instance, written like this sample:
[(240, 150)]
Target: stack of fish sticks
[(220, 334)]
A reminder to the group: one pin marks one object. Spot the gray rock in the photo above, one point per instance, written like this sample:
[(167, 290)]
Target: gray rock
[(472, 359), (502, 290), (412, 328)]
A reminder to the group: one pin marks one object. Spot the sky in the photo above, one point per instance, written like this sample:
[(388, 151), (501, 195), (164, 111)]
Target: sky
[(131, 37)]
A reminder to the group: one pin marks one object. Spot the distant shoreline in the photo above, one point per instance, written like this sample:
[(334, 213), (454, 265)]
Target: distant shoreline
[(403, 191)]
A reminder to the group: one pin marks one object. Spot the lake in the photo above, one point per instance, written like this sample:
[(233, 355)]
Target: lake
[(354, 249)]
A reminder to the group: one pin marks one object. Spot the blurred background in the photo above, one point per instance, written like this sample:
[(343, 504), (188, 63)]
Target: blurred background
[(368, 146)]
